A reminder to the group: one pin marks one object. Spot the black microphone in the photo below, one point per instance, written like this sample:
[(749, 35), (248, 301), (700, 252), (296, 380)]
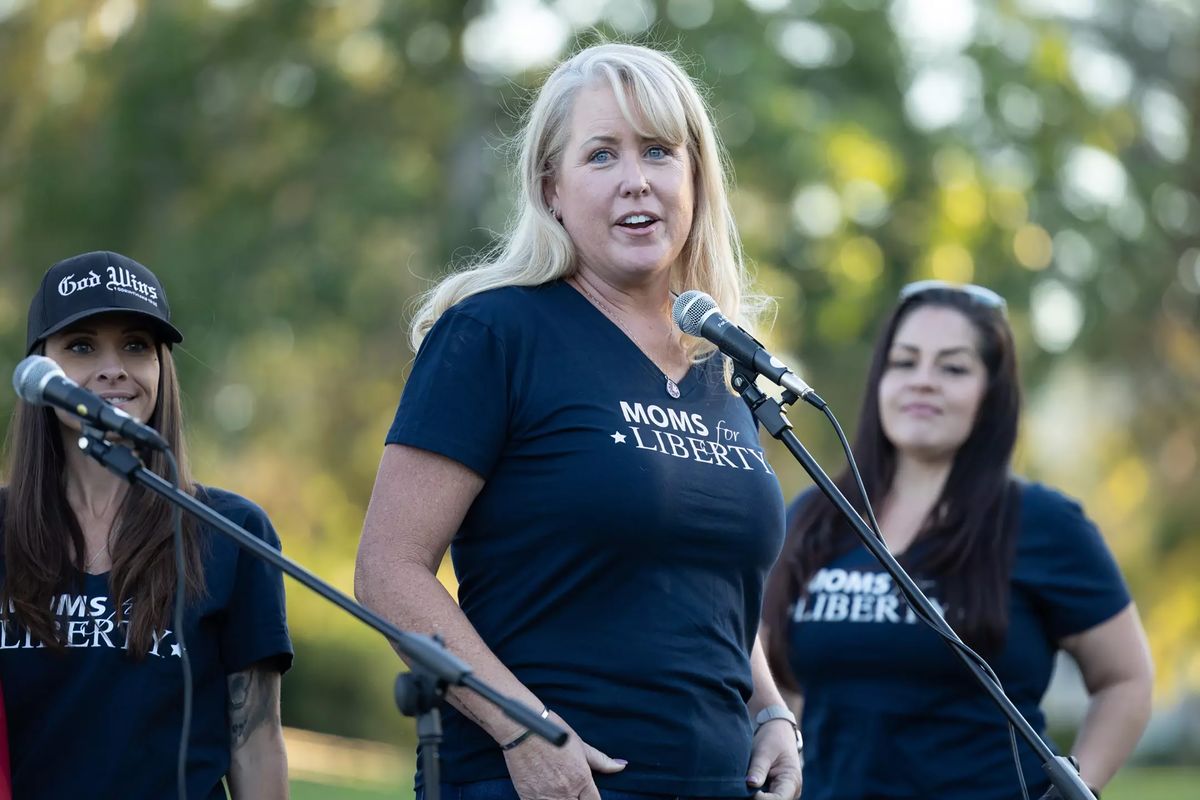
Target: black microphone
[(697, 314), (40, 381)]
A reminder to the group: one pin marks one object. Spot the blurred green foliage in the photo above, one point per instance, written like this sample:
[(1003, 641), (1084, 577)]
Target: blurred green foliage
[(296, 171)]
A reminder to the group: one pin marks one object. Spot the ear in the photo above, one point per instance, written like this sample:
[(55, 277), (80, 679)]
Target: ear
[(550, 193)]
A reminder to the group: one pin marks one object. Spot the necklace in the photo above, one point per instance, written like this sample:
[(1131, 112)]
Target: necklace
[(671, 386), (96, 557)]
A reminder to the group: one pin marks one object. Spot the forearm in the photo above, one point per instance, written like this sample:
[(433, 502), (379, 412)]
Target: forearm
[(1115, 719), (413, 599), (257, 757), (258, 769)]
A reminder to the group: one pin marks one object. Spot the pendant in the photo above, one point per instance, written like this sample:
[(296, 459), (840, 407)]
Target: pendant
[(672, 389)]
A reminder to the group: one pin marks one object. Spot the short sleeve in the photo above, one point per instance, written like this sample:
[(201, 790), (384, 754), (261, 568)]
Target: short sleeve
[(255, 627), (455, 402), (1063, 561)]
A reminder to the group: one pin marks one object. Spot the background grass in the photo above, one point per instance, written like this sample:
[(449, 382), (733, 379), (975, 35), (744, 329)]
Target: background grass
[(1134, 783), (307, 790), (1155, 783)]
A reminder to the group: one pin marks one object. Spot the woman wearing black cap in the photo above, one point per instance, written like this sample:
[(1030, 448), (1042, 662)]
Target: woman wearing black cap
[(89, 662)]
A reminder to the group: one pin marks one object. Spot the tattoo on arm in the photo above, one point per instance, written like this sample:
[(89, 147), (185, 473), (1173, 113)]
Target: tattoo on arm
[(251, 703)]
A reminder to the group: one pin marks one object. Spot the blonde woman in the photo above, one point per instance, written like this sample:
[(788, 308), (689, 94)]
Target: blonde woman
[(606, 501)]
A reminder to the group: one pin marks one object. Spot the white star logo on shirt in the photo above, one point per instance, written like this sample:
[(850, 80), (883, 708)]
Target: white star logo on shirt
[(175, 650), (618, 438)]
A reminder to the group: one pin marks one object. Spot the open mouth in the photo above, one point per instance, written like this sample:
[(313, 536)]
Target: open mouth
[(637, 222), (117, 399)]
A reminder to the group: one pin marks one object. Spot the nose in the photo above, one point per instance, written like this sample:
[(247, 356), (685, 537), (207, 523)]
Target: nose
[(633, 179), (923, 378), (112, 367)]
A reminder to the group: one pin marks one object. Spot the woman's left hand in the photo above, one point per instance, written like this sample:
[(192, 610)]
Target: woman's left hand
[(775, 763)]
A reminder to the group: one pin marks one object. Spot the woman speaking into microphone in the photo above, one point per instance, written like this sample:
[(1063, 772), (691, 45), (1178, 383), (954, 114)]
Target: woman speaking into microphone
[(89, 658), (603, 493)]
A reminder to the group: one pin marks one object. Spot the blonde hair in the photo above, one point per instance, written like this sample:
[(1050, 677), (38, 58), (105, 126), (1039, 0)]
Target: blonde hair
[(659, 101)]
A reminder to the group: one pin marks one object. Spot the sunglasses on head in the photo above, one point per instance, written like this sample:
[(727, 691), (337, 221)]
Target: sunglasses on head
[(980, 294)]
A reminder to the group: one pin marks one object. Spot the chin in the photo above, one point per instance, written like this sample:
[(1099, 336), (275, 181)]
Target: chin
[(642, 269), (925, 450)]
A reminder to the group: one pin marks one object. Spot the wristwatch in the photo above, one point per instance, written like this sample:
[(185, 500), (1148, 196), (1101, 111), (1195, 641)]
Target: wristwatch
[(779, 712)]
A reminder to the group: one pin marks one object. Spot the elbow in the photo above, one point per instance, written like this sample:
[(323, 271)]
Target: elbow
[(364, 576), (1147, 686), (1145, 681)]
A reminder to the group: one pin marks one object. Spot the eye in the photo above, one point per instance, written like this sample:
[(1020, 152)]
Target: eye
[(955, 369), (657, 151), (138, 344), (901, 363), (79, 346), (600, 157)]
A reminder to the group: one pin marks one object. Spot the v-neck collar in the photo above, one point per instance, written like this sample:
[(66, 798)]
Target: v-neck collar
[(686, 384)]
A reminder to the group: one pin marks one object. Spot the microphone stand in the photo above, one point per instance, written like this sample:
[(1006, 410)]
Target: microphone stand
[(771, 415), (433, 669)]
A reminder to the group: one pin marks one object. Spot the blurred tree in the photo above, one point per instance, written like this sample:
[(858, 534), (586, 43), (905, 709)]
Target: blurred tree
[(298, 170)]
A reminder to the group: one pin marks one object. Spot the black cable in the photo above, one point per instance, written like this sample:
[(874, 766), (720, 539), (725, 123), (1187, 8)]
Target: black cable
[(938, 624), (180, 586), (862, 490)]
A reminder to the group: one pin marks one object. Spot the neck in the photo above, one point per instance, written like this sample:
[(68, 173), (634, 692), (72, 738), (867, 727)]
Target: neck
[(643, 312), (92, 491), (647, 299), (919, 479)]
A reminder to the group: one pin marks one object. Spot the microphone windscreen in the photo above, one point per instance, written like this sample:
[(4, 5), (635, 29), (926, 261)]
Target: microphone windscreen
[(690, 309), (30, 376)]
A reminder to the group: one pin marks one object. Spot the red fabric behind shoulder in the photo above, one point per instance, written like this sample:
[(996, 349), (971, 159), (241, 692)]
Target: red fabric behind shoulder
[(5, 770)]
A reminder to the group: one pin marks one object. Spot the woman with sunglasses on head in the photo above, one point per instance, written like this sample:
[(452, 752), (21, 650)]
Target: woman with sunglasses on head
[(1015, 567), (90, 660)]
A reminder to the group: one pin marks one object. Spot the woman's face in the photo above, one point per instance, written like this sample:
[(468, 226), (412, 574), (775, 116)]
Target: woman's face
[(626, 201), (114, 356), (933, 384)]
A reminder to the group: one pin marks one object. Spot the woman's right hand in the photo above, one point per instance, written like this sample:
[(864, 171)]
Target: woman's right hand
[(541, 771)]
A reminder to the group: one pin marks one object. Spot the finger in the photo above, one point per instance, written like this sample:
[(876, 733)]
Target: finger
[(782, 787), (787, 786), (599, 762), (756, 773), (771, 794)]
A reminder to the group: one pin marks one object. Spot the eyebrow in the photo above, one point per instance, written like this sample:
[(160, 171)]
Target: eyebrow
[(949, 351), (600, 138), (610, 138)]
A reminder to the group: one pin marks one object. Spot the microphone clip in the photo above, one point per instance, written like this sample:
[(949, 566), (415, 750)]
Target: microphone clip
[(118, 458), (769, 413)]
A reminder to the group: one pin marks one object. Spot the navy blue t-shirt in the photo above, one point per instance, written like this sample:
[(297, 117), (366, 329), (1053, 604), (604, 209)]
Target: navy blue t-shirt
[(93, 722), (616, 556), (891, 712)]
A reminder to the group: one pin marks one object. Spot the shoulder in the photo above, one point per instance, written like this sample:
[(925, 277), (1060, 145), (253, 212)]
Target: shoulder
[(239, 510), (1044, 507), (510, 306), (1051, 521), (500, 322), (1063, 560)]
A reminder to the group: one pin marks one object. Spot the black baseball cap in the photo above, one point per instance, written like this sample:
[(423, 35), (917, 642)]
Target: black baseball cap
[(95, 283)]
